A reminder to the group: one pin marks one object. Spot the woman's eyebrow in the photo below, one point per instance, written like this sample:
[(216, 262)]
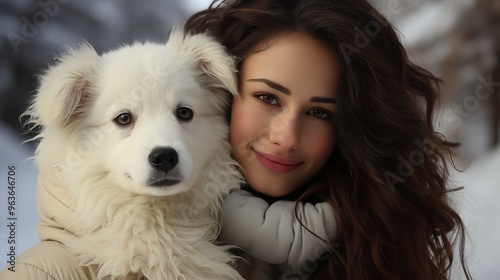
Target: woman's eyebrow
[(323, 99), (272, 84)]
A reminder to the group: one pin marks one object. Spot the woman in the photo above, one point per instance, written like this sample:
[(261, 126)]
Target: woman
[(385, 174), (282, 134)]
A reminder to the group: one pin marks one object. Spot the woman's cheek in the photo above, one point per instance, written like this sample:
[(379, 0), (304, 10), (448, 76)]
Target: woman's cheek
[(238, 126), (244, 128), (322, 145)]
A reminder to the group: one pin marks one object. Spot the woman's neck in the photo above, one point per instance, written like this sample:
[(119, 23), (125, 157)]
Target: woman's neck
[(293, 196)]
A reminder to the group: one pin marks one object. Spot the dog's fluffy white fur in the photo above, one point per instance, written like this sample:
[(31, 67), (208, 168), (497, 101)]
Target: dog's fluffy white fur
[(104, 118)]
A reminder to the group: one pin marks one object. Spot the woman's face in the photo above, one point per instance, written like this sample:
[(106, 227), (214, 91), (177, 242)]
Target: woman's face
[(281, 124)]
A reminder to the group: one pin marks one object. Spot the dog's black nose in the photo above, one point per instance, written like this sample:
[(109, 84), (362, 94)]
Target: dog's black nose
[(163, 159)]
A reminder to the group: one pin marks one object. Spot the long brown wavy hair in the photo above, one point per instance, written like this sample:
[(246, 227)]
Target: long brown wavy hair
[(387, 177)]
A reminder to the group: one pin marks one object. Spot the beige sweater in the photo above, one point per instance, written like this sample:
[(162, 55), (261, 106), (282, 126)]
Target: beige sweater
[(50, 259)]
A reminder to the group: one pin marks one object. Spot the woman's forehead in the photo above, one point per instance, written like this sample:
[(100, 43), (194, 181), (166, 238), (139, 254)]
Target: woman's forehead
[(297, 61)]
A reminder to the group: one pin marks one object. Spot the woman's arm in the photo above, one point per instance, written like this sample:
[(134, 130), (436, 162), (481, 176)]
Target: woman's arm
[(272, 233)]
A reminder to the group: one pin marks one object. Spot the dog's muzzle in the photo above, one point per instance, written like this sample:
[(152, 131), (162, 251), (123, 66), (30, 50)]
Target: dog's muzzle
[(164, 159)]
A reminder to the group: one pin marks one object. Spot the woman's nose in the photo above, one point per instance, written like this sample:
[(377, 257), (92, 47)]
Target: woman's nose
[(284, 131)]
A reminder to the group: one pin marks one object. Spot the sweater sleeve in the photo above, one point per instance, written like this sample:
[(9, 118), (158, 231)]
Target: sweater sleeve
[(272, 233)]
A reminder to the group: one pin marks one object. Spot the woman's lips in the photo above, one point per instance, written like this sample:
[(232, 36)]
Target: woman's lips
[(276, 164)]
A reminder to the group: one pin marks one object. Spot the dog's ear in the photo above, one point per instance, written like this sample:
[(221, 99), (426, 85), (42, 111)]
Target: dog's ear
[(210, 56), (65, 88)]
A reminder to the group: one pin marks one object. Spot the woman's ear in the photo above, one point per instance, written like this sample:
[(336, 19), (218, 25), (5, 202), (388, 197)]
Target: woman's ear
[(65, 88), (210, 56)]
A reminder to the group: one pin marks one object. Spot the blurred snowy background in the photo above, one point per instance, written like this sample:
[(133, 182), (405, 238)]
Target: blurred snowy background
[(458, 40)]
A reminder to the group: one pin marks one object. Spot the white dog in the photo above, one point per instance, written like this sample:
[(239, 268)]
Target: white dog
[(140, 135)]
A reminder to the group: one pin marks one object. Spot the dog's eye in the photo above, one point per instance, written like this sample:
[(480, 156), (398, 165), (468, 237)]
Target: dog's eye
[(124, 119), (184, 113)]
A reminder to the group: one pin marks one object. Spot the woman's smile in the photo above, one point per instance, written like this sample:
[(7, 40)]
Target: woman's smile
[(275, 163)]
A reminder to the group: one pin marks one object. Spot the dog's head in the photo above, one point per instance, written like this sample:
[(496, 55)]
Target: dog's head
[(148, 116)]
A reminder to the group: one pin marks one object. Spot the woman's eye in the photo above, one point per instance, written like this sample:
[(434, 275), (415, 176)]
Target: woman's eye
[(184, 114), (124, 119), (267, 98), (319, 113)]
